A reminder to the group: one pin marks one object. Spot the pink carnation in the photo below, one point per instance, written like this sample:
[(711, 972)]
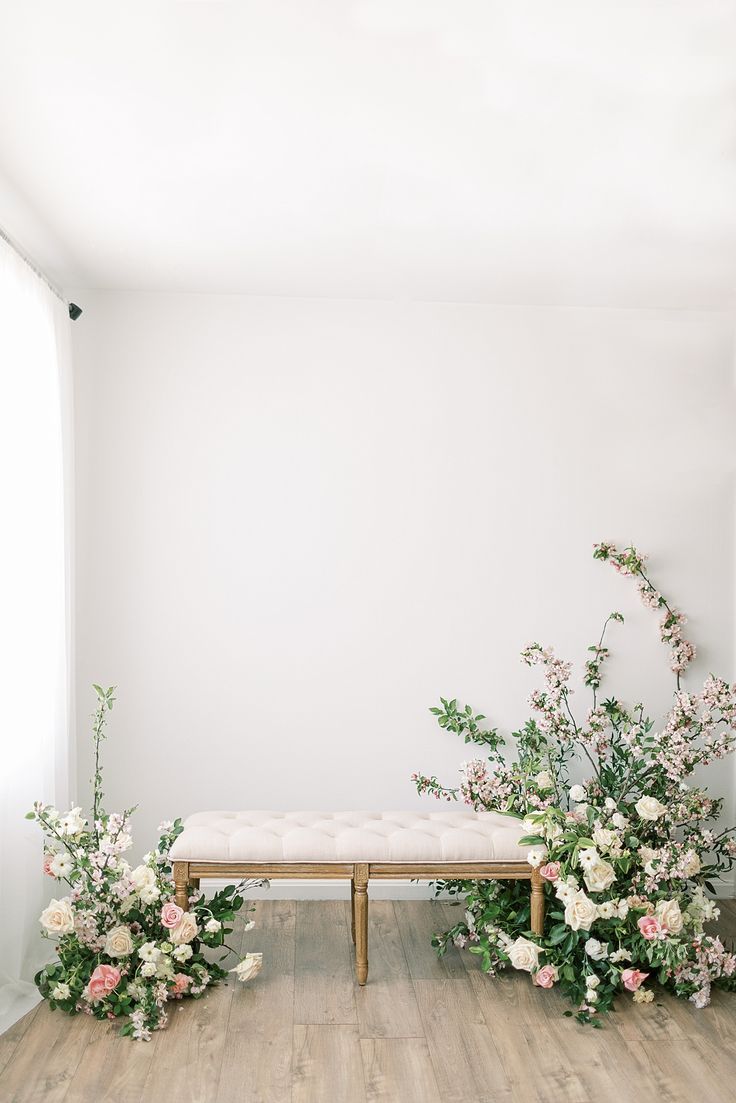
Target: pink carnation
[(180, 984), (650, 927), (104, 979), (550, 871), (633, 979), (171, 913)]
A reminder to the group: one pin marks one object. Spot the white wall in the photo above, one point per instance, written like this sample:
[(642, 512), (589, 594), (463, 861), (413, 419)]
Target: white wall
[(300, 521)]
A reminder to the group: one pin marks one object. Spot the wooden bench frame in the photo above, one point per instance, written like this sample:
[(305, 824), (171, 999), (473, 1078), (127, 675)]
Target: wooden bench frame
[(187, 875)]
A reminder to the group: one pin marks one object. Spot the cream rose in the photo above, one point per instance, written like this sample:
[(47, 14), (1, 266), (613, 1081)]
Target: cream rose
[(544, 781), (58, 917), (143, 877), (599, 877), (649, 808), (596, 950), (691, 865), (524, 955), (119, 942), (604, 838), (185, 930), (580, 912), (669, 915)]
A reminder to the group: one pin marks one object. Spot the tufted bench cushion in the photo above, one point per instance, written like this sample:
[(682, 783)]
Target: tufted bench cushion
[(460, 835)]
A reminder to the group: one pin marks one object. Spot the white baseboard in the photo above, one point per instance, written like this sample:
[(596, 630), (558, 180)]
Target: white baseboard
[(315, 889)]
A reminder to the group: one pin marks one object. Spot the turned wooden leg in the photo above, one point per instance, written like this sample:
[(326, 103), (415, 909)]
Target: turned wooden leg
[(352, 908), (360, 880), (537, 903), (181, 884)]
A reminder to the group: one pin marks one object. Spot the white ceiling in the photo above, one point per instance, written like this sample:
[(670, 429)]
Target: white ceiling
[(572, 152)]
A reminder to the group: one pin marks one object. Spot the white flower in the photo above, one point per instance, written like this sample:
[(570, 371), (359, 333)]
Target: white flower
[(649, 808), (62, 865), (73, 823), (182, 952), (524, 955), (577, 793), (595, 949), (60, 991), (607, 909), (600, 876), (149, 951), (249, 925), (591, 996), (58, 918), (543, 780), (604, 838), (692, 864), (536, 856), (623, 909), (620, 955), (669, 915), (149, 894), (185, 930), (553, 831), (564, 892), (619, 821), (148, 969), (119, 942), (610, 804), (580, 912), (592, 981), (212, 926), (143, 877), (588, 857), (249, 967)]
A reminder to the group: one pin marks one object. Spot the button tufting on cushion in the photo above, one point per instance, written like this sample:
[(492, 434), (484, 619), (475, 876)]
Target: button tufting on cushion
[(461, 835)]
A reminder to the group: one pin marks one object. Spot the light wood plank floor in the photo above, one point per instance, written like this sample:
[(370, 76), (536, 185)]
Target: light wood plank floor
[(423, 1031)]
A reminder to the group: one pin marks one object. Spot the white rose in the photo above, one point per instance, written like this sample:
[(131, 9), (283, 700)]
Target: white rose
[(119, 942), (619, 821), (148, 969), (524, 955), (149, 951), (73, 823), (182, 952), (543, 780), (212, 926), (610, 804), (58, 917), (691, 865), (669, 915), (623, 909), (591, 996), (580, 912), (600, 877), (60, 991), (596, 950), (62, 865), (577, 793), (143, 877), (536, 856), (604, 838), (649, 808), (249, 967), (592, 981), (185, 930), (149, 894)]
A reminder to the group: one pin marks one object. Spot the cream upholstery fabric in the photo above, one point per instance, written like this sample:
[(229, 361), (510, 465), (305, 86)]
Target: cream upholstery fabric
[(460, 835)]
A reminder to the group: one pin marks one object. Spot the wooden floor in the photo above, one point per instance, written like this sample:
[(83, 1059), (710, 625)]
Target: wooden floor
[(422, 1031)]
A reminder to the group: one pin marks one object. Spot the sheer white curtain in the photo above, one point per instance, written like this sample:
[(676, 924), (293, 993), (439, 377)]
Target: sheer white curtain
[(35, 601)]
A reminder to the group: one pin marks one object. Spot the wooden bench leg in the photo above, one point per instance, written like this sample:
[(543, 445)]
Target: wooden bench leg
[(181, 884), (352, 908), (537, 903), (360, 880)]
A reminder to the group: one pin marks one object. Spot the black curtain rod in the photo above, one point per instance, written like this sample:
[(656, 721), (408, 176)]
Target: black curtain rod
[(74, 310)]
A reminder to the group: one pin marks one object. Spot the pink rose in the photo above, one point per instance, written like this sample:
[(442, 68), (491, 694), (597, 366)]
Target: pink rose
[(650, 927), (171, 913), (180, 984), (632, 979), (550, 872), (47, 860), (104, 979), (546, 976)]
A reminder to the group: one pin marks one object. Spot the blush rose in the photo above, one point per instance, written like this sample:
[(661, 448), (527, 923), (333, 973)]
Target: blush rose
[(171, 913), (633, 979), (104, 979)]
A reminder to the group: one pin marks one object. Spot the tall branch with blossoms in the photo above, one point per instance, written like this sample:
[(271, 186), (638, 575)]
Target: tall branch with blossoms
[(628, 852)]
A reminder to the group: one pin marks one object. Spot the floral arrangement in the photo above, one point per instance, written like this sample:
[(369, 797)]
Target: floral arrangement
[(627, 856), (125, 948)]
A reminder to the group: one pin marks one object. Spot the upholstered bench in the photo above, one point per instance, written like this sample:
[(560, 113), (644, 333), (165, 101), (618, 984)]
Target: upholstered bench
[(457, 844)]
